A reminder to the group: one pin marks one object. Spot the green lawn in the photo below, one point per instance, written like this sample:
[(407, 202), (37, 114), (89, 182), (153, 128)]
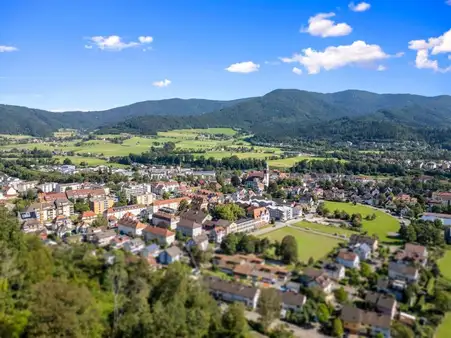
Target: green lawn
[(444, 265), (89, 160), (325, 228), (444, 330), (309, 245), (381, 226)]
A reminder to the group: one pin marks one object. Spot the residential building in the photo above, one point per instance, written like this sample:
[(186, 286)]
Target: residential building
[(64, 207), (119, 212), (88, 216), (348, 259), (363, 251), (444, 218), (47, 187), (165, 187), (201, 242), (24, 186), (171, 203), (51, 196), (103, 238), (189, 228), (100, 204), (32, 225), (134, 246), (44, 210), (247, 225), (9, 193), (259, 213), (217, 235), (62, 187), (292, 301), (382, 303), (145, 199), (361, 239), (85, 194), (170, 255), (356, 321), (280, 213), (293, 287), (403, 272), (152, 250), (314, 278), (197, 216), (165, 220), (136, 190), (443, 197), (412, 253), (335, 271), (163, 236), (233, 292), (130, 225)]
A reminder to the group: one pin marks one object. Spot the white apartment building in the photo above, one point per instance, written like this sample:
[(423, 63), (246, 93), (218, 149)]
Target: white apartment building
[(280, 213)]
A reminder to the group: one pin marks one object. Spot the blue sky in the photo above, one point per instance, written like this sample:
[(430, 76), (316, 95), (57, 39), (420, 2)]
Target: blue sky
[(89, 55)]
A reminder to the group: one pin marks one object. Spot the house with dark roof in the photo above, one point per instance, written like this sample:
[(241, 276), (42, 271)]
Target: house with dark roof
[(197, 216), (315, 278), (165, 220), (356, 321), (382, 303), (403, 272), (233, 292), (201, 242), (292, 301), (360, 239), (335, 271), (412, 253), (189, 228)]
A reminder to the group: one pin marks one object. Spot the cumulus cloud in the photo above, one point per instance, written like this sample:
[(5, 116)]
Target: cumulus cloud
[(162, 83), (116, 43), (321, 25), (360, 7), (381, 68), (431, 46), (272, 63), (6, 49), (358, 53), (243, 67), (297, 70)]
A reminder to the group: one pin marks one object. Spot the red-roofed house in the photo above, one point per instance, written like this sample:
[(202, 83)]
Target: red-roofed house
[(171, 203), (88, 216), (348, 259), (443, 197), (163, 236), (130, 226)]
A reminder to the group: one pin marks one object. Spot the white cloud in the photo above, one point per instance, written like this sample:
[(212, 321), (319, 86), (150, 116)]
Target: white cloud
[(321, 25), (381, 68), (162, 83), (243, 67), (360, 7), (6, 49), (432, 46), (297, 70), (272, 63), (145, 39), (116, 43), (359, 52)]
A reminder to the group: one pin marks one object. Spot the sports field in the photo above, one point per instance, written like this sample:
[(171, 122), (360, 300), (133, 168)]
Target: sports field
[(444, 330), (381, 226), (309, 245), (444, 265)]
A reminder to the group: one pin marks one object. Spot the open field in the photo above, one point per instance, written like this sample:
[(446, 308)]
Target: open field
[(444, 265), (222, 154), (381, 226), (195, 132), (444, 330), (15, 137), (290, 161), (325, 228), (309, 245), (93, 161)]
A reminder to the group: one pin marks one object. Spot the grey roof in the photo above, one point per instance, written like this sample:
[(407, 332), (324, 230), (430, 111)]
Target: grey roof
[(216, 284), (184, 223), (173, 251), (197, 216), (402, 269), (292, 298)]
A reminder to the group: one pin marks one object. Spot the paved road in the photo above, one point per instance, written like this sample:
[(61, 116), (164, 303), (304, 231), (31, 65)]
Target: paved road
[(297, 331)]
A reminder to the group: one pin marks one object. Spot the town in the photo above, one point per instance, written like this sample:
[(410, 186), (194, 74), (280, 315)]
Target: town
[(327, 254)]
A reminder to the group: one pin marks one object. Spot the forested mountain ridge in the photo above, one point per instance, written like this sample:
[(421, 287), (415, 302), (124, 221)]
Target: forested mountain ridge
[(282, 113), (37, 122)]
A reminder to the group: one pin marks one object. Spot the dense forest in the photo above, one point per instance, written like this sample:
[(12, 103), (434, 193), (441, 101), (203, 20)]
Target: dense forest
[(77, 292)]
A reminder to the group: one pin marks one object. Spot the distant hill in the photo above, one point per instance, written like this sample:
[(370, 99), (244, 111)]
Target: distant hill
[(36, 122), (280, 114)]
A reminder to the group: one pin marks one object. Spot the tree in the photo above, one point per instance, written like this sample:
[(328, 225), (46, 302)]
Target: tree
[(365, 270), (235, 180), (183, 205), (281, 331), (234, 321), (337, 328), (341, 295), (100, 221), (230, 212), (81, 207), (323, 313), (399, 330), (269, 305), (272, 187), (442, 301), (289, 249), (166, 195), (67, 161), (229, 244), (64, 310)]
